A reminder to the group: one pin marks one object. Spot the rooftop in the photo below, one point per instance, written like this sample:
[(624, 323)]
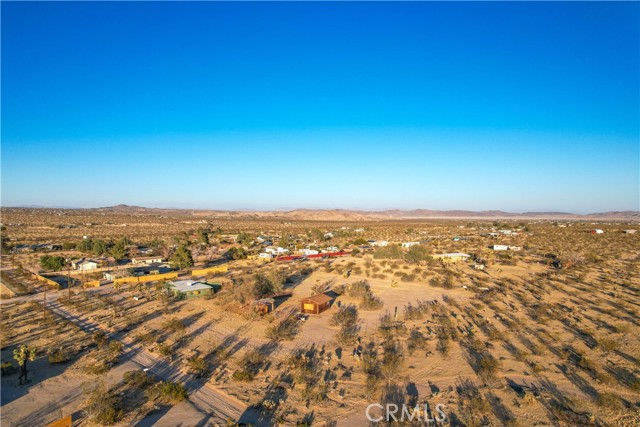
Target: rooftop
[(189, 285)]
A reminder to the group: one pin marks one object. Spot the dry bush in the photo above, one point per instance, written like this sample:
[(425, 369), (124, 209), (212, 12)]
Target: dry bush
[(103, 407), (167, 392), (284, 330), (416, 341)]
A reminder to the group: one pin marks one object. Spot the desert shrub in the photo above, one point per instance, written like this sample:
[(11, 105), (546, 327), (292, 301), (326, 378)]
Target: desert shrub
[(137, 378), (242, 375), (371, 302), (100, 338), (610, 401), (416, 254), (358, 289), (103, 407), (7, 368), (264, 285), (417, 311), (249, 365), (390, 328), (115, 347), (167, 392), (320, 288), (165, 350), (57, 355), (388, 252), (488, 368), (284, 330), (347, 334), (197, 366), (99, 367), (416, 341), (443, 345), (174, 325), (609, 344), (393, 358), (346, 315)]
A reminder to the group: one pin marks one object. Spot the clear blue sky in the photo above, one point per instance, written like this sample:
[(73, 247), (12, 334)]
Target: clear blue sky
[(513, 106)]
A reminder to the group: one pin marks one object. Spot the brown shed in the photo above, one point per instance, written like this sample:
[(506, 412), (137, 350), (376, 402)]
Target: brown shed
[(315, 304)]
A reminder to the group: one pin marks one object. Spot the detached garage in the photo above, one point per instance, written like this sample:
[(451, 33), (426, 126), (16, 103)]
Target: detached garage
[(315, 304)]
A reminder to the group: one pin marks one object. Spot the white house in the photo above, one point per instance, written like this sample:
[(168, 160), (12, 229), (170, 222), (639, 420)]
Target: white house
[(265, 255), (515, 248), (308, 252), (276, 250), (630, 231), (330, 249), (84, 264), (328, 235), (409, 244), (147, 260), (499, 247), (381, 243), (597, 231)]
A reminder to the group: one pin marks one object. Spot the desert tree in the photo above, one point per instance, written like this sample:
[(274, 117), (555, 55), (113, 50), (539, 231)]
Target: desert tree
[(22, 355)]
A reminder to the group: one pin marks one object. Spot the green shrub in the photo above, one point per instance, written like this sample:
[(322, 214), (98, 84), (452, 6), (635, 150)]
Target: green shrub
[(167, 392)]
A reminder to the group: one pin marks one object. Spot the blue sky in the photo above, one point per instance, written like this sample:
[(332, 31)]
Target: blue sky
[(513, 106)]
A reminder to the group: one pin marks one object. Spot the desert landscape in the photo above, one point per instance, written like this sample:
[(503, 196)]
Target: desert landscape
[(327, 214), (525, 322)]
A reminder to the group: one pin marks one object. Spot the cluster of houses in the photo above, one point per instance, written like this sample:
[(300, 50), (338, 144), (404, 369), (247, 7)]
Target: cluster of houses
[(38, 247)]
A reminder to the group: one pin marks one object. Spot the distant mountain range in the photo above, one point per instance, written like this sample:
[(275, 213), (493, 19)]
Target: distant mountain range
[(361, 215)]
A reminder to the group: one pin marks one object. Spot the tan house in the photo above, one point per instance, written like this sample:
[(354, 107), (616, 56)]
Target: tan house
[(315, 304)]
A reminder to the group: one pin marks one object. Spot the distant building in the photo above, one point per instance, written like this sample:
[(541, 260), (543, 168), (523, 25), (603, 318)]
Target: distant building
[(265, 255), (629, 231), (84, 264), (147, 260), (409, 244), (597, 231), (328, 236), (190, 288), (452, 257), (381, 243), (478, 267), (276, 250), (309, 252), (499, 247), (515, 248)]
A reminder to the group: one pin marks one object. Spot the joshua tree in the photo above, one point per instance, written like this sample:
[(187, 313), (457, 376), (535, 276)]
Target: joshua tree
[(22, 355)]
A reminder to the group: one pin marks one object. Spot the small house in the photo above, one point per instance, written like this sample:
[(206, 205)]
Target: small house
[(478, 267), (597, 231), (265, 256), (309, 252), (629, 231), (515, 248), (190, 288), (315, 304), (499, 247), (84, 264), (147, 260), (264, 305), (452, 257)]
